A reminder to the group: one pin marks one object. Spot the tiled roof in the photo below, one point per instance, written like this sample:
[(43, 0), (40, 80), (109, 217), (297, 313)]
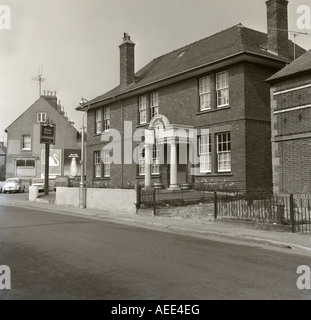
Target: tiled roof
[(232, 41), (301, 64)]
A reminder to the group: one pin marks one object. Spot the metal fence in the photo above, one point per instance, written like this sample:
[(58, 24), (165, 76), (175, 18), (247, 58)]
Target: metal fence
[(154, 198), (292, 210)]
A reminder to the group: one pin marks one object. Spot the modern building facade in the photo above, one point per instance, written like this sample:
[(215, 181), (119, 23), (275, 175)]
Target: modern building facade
[(208, 101), (291, 127), (25, 154)]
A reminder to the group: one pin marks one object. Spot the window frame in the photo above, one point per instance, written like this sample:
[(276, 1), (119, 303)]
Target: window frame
[(106, 119), (142, 108), (98, 121), (207, 93), (224, 151), (155, 161), (154, 104), (97, 165), (224, 87), (24, 142), (205, 151), (141, 161), (39, 115), (107, 164)]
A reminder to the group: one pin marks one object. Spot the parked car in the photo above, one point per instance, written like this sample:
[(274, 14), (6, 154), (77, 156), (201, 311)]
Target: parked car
[(13, 185), (38, 182), (61, 181)]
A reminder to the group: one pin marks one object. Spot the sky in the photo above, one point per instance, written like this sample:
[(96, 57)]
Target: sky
[(76, 42)]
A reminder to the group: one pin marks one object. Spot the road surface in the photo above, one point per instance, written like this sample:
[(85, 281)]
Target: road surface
[(53, 256)]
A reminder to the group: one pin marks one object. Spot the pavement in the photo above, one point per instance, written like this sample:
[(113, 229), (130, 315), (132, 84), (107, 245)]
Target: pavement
[(203, 227)]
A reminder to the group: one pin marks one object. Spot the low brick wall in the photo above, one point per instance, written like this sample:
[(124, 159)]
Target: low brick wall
[(115, 200)]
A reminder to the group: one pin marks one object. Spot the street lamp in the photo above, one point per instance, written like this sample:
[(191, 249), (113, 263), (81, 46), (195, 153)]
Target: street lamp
[(82, 189)]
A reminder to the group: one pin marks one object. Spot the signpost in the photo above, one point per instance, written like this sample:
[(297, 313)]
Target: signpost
[(47, 136)]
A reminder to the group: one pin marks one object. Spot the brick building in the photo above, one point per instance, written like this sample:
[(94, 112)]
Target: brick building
[(2, 161), (25, 154), (291, 127), (214, 89)]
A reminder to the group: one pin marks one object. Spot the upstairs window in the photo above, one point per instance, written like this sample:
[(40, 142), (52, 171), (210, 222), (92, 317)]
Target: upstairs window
[(154, 104), (106, 119), (26, 142), (98, 121), (142, 109), (222, 88), (41, 117), (205, 154), (205, 93)]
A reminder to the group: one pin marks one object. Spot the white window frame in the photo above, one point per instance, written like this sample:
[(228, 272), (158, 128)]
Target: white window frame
[(154, 104), (106, 118), (224, 152), (106, 158), (205, 92), (40, 116), (155, 164), (24, 142), (142, 109), (98, 121), (205, 153), (222, 89), (141, 161), (97, 165)]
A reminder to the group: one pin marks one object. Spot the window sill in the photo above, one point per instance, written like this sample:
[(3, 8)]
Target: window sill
[(213, 110), (100, 179), (142, 125), (212, 175), (25, 150)]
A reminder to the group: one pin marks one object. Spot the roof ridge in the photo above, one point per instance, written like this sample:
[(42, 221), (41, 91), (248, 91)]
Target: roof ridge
[(205, 38)]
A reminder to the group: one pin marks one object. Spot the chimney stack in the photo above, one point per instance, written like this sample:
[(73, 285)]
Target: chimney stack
[(127, 62), (278, 27), (51, 98)]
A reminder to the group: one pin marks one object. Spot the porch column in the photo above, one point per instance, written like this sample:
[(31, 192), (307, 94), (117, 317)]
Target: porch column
[(173, 166), (148, 156)]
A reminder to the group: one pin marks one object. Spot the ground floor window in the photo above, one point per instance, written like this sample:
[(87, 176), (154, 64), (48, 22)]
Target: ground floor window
[(97, 165), (155, 164), (141, 161), (106, 159), (25, 168), (224, 152), (205, 154)]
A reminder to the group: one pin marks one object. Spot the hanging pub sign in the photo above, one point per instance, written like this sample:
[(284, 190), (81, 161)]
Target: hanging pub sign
[(47, 133)]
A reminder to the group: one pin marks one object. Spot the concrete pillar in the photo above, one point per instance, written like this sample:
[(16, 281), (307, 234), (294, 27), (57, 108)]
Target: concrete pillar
[(173, 166), (148, 157)]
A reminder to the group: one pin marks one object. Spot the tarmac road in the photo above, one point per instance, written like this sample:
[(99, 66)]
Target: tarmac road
[(55, 256)]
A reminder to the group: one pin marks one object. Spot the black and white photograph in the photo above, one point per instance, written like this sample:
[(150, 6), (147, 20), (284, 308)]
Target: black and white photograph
[(155, 154)]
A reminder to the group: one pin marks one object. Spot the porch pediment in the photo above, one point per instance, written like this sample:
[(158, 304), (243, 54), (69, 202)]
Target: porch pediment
[(165, 132)]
